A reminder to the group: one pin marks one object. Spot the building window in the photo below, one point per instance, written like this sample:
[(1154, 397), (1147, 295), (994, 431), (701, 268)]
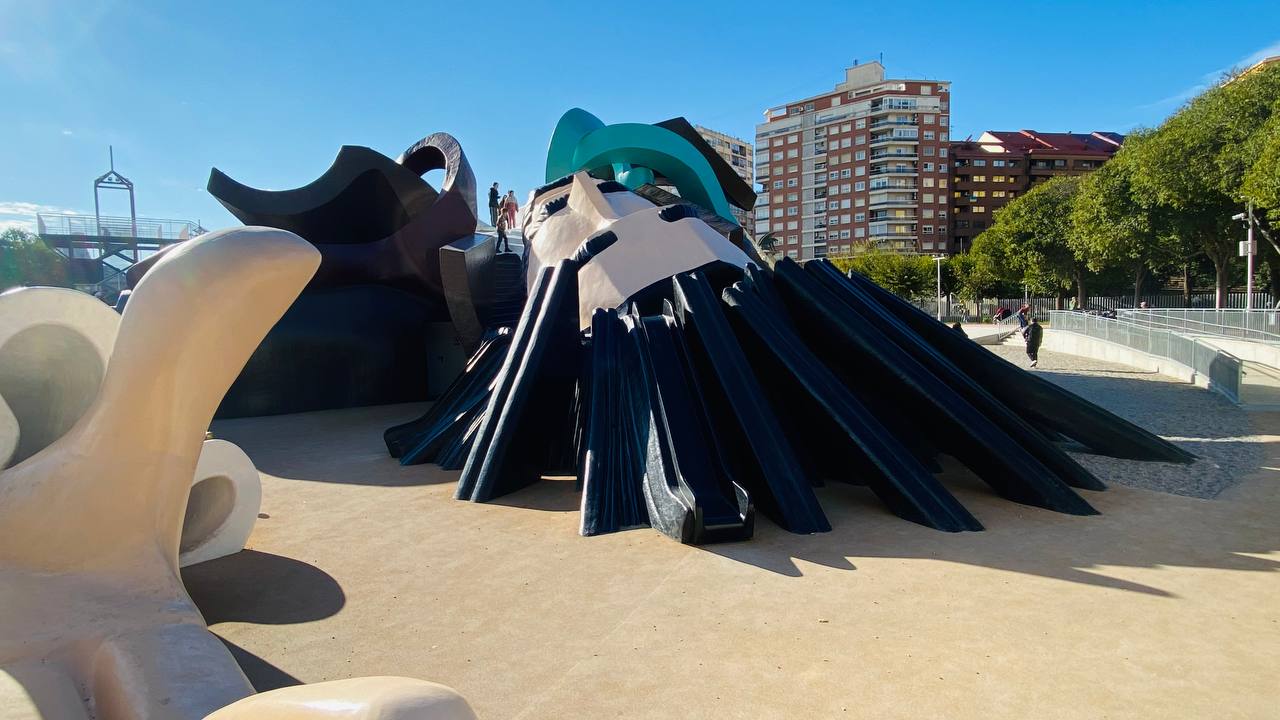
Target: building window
[(860, 170), (942, 152), (927, 213), (928, 134), (928, 150), (997, 163), (845, 128), (834, 174), (793, 168), (777, 170), (793, 211), (859, 186), (942, 137), (979, 208), (860, 155), (997, 193), (845, 188), (793, 225), (777, 184), (928, 197), (928, 167), (943, 120), (861, 123), (860, 139), (792, 139), (926, 89), (844, 234), (859, 202), (997, 178), (942, 214), (859, 217), (792, 197), (777, 155), (792, 254), (844, 205), (928, 229), (859, 232), (928, 182), (845, 173), (791, 182), (793, 239), (793, 153), (928, 119), (979, 178)]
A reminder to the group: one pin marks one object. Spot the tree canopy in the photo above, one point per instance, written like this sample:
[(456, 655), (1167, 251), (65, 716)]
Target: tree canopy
[(26, 260)]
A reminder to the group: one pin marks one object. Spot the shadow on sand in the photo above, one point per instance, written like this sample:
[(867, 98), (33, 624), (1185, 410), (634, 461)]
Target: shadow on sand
[(257, 587)]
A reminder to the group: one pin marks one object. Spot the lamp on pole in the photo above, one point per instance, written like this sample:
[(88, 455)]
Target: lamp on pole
[(1248, 249), (937, 259)]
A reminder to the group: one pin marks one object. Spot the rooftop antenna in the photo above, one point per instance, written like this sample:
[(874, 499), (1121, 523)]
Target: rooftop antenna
[(112, 180)]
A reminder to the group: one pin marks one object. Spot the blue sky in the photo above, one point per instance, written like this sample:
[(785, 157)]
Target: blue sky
[(268, 90)]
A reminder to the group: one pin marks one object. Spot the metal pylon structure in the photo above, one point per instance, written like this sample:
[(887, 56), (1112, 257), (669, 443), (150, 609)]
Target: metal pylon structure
[(112, 180)]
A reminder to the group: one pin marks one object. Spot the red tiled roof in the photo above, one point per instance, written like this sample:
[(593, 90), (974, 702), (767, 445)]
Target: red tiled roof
[(1095, 143)]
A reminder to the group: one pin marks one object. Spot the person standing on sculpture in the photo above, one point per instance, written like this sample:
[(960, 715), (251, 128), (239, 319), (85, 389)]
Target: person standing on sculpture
[(493, 204), (500, 222), (1034, 334), (509, 205)]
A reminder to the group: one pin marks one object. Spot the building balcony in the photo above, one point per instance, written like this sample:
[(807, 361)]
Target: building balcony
[(893, 171), (893, 218), (886, 107), (892, 203), (891, 140), (893, 123), (895, 187), (883, 156)]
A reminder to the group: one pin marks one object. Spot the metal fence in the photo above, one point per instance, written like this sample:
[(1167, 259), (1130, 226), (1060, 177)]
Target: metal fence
[(1221, 368), (1204, 300), (1256, 325)]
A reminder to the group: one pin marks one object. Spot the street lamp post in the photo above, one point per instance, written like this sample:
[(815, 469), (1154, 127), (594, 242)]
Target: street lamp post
[(1248, 250), (938, 260)]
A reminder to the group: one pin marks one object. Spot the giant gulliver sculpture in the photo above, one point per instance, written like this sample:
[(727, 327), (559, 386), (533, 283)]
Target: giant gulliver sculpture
[(687, 384)]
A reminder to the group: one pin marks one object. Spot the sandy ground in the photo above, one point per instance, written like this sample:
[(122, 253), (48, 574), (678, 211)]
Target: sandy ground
[(1163, 606)]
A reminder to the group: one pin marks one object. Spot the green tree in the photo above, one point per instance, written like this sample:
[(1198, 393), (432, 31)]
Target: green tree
[(1032, 234), (909, 276), (26, 260), (1113, 228), (1200, 163)]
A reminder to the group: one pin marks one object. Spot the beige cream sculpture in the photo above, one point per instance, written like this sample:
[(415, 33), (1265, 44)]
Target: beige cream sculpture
[(55, 345), (94, 620)]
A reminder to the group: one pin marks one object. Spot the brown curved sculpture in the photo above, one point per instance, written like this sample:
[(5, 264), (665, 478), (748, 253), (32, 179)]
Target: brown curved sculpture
[(375, 220)]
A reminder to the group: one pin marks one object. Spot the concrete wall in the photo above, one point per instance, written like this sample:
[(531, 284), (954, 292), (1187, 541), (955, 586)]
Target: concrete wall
[(1085, 346)]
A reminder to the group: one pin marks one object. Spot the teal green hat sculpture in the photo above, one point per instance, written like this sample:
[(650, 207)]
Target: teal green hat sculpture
[(633, 153)]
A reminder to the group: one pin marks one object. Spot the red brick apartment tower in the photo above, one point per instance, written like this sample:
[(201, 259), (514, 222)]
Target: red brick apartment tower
[(862, 166), (997, 167)]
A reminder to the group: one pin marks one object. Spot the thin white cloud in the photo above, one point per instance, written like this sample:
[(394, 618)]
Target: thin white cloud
[(67, 132), (19, 214), (1213, 77)]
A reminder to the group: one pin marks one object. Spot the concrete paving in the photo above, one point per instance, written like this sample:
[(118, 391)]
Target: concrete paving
[(1163, 606)]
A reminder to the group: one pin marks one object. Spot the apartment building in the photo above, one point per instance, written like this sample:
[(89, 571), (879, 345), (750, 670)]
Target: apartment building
[(862, 166), (997, 167), (738, 153)]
